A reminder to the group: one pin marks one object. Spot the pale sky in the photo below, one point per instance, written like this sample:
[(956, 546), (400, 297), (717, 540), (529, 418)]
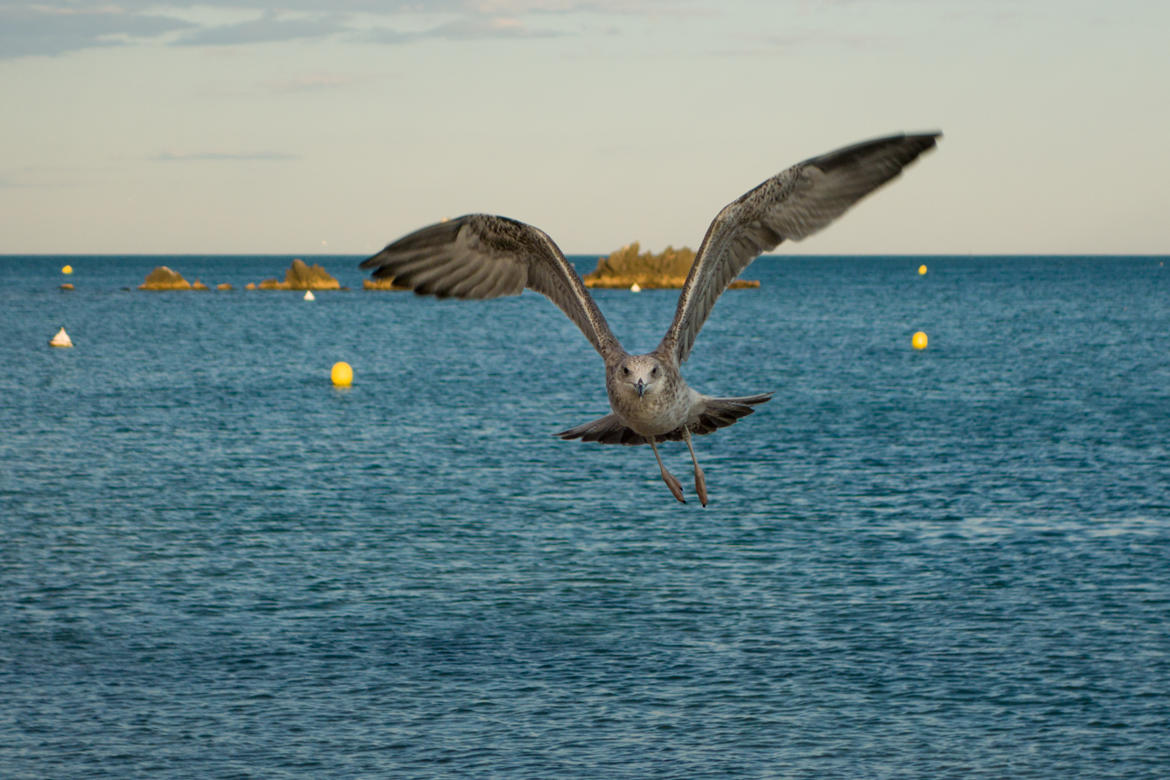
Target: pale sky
[(335, 126)]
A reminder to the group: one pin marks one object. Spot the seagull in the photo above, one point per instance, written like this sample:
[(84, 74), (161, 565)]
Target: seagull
[(482, 256)]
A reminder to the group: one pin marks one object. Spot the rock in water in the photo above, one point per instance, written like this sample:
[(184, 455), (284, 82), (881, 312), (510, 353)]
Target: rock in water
[(382, 284), (163, 278), (302, 276), (629, 267)]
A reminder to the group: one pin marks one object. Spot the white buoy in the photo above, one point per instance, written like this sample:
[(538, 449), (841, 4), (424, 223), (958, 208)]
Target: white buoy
[(309, 295), (635, 287), (61, 339)]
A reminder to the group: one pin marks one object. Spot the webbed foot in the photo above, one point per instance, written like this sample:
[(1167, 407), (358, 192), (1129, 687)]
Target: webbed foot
[(700, 485), (674, 485)]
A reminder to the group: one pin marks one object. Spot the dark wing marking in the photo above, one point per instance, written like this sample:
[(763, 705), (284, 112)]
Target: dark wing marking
[(712, 414), (483, 256), (606, 430), (793, 204), (715, 413)]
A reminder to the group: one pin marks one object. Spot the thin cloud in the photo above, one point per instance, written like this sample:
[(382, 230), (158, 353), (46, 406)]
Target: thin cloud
[(756, 45), (35, 30), (386, 35), (607, 7), (486, 28), (56, 27), (311, 82), (472, 28), (269, 28), (223, 157)]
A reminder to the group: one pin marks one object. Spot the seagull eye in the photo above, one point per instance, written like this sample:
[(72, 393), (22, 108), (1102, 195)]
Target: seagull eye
[(626, 370), (654, 371)]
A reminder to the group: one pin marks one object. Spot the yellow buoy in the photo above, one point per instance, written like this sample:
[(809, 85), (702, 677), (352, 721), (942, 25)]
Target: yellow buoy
[(342, 374), (922, 270), (919, 340), (68, 269)]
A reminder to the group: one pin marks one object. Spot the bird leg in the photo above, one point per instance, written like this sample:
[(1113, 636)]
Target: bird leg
[(670, 480), (700, 480)]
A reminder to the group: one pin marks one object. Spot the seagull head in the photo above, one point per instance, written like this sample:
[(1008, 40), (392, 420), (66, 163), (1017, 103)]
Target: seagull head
[(642, 373)]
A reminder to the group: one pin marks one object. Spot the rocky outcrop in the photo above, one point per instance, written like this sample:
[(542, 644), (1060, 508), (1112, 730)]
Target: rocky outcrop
[(381, 284), (302, 276), (163, 278), (629, 266)]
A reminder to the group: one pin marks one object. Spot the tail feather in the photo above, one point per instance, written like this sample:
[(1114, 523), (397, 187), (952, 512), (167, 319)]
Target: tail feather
[(715, 413)]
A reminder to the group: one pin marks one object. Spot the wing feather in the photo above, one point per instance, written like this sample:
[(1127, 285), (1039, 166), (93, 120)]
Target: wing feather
[(483, 256), (464, 278), (425, 279), (793, 204), (606, 430)]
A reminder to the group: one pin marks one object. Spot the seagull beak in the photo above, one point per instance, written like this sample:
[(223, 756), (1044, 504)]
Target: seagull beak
[(641, 387)]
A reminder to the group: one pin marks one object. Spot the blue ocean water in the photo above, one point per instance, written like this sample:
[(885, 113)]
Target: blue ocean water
[(952, 562)]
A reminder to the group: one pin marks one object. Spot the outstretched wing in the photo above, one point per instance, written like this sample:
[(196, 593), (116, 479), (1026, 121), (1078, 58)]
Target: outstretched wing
[(792, 204), (482, 256)]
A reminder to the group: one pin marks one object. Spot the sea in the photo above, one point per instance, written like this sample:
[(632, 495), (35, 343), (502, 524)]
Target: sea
[(950, 562)]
